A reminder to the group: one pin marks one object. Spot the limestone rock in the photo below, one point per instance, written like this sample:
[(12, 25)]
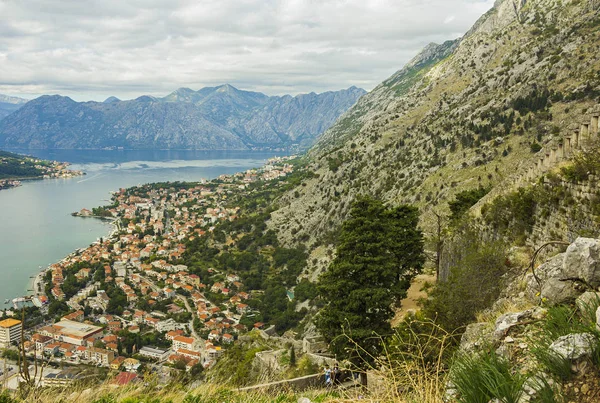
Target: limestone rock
[(476, 335), (588, 301), (550, 269), (582, 260), (574, 347), (506, 321), (554, 291), (304, 400)]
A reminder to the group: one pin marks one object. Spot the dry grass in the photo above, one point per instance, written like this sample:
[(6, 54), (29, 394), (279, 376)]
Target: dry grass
[(411, 370), (207, 393), (507, 306)]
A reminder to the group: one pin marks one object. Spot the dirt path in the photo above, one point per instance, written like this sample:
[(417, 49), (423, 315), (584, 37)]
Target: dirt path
[(410, 303)]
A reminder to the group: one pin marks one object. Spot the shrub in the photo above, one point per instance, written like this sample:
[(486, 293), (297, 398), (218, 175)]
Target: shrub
[(484, 377), (473, 282), (535, 147), (585, 163), (465, 200)]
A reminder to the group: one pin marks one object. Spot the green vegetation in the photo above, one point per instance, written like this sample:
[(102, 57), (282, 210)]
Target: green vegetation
[(236, 367), (585, 163), (513, 213), (14, 166), (465, 200), (473, 284), (480, 378), (380, 250)]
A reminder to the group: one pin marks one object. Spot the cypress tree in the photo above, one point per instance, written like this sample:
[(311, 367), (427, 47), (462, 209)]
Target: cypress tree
[(380, 250)]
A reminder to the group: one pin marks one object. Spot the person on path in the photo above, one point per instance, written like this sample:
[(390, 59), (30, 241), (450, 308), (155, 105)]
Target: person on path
[(327, 376), (336, 374)]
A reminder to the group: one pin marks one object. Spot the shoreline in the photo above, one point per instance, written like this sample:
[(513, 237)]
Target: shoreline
[(39, 277)]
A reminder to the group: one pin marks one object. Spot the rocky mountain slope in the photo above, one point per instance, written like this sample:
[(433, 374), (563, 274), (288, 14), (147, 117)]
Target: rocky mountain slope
[(460, 115), (212, 118), (10, 104)]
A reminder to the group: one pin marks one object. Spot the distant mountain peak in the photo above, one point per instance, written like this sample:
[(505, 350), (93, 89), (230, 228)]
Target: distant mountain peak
[(226, 88), (146, 98), (9, 104), (7, 99), (111, 99), (184, 90)]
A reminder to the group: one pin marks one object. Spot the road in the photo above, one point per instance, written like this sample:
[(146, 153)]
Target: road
[(185, 302), (190, 310)]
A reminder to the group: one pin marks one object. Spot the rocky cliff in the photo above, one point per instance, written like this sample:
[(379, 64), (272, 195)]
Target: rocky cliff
[(212, 118)]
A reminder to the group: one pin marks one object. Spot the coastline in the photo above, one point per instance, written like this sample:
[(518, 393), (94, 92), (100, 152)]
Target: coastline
[(39, 277)]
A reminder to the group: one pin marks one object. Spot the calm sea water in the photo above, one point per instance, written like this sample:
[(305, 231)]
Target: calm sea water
[(36, 228)]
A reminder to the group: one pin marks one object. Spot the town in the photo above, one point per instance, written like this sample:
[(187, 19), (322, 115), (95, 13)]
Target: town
[(15, 168), (127, 302)]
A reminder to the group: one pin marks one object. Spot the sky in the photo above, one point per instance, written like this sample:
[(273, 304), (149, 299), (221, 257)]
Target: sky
[(92, 49)]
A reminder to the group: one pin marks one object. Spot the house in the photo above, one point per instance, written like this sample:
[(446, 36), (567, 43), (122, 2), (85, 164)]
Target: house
[(214, 335), (125, 378), (217, 287), (41, 341), (114, 326), (242, 308), (117, 362), (99, 356), (131, 364), (173, 333), (227, 338), (184, 343), (154, 353), (51, 348)]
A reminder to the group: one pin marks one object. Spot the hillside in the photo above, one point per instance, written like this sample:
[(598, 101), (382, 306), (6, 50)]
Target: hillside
[(14, 166), (461, 115), (10, 104), (221, 117)]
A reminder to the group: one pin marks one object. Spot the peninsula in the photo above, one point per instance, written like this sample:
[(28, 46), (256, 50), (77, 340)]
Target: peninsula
[(15, 168)]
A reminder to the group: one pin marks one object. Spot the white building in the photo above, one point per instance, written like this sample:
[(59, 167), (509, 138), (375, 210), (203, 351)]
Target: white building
[(155, 353), (10, 332)]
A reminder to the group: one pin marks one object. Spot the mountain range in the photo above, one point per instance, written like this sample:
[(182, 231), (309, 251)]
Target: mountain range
[(221, 117), (10, 104)]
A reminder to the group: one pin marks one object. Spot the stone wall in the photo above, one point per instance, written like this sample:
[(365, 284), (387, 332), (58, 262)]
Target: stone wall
[(579, 136)]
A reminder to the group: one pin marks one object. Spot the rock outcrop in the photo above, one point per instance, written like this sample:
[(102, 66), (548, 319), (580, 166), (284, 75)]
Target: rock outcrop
[(567, 275)]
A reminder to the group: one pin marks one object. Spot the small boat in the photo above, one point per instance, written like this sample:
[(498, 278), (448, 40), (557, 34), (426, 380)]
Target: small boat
[(6, 301)]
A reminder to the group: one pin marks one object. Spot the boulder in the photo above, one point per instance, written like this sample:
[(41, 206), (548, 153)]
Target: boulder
[(574, 347), (550, 269), (554, 291), (588, 302), (582, 260)]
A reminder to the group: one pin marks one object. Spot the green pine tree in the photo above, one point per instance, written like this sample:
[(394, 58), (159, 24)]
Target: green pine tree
[(380, 250)]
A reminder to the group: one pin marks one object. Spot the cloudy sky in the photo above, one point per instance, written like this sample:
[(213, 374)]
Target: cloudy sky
[(90, 49)]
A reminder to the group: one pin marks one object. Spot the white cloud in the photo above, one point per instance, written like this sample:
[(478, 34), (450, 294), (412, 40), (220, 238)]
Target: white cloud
[(96, 48), (449, 19)]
